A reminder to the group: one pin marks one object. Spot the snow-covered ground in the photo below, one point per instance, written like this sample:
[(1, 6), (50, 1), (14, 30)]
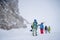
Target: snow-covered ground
[(25, 34), (47, 11)]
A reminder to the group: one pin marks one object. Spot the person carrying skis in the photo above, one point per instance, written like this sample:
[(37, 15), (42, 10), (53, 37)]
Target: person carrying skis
[(34, 30)]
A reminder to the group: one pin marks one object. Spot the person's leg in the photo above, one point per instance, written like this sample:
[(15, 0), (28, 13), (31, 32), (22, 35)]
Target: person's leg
[(33, 32), (45, 31), (41, 31), (49, 31), (36, 32)]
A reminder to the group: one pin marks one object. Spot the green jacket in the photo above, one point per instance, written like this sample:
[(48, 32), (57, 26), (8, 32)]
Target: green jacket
[(49, 28), (35, 25)]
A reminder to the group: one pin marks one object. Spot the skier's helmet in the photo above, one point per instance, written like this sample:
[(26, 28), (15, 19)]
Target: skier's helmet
[(41, 22), (35, 20)]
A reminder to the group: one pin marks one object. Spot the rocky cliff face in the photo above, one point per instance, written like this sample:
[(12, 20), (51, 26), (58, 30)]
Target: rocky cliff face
[(9, 15)]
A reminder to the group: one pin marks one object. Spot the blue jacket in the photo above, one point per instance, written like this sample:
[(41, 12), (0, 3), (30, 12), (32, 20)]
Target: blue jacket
[(41, 26)]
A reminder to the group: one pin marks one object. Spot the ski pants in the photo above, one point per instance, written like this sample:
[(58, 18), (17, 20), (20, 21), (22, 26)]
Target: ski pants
[(41, 31), (34, 32)]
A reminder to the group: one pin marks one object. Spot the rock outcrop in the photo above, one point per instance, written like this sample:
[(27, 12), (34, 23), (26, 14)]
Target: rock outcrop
[(9, 15)]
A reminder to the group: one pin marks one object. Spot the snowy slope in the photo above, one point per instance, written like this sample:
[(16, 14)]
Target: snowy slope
[(47, 11), (25, 34)]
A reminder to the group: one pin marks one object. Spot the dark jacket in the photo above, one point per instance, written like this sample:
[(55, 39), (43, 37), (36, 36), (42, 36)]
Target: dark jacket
[(46, 28)]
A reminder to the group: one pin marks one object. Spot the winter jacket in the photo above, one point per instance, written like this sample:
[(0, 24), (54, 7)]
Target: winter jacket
[(46, 28), (41, 26), (49, 28), (35, 25)]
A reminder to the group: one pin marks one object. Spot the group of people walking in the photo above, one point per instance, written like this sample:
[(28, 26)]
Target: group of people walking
[(43, 28)]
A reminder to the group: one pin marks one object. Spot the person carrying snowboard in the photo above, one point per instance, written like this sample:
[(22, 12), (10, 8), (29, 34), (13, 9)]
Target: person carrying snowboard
[(46, 29), (31, 27), (34, 30), (41, 28)]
